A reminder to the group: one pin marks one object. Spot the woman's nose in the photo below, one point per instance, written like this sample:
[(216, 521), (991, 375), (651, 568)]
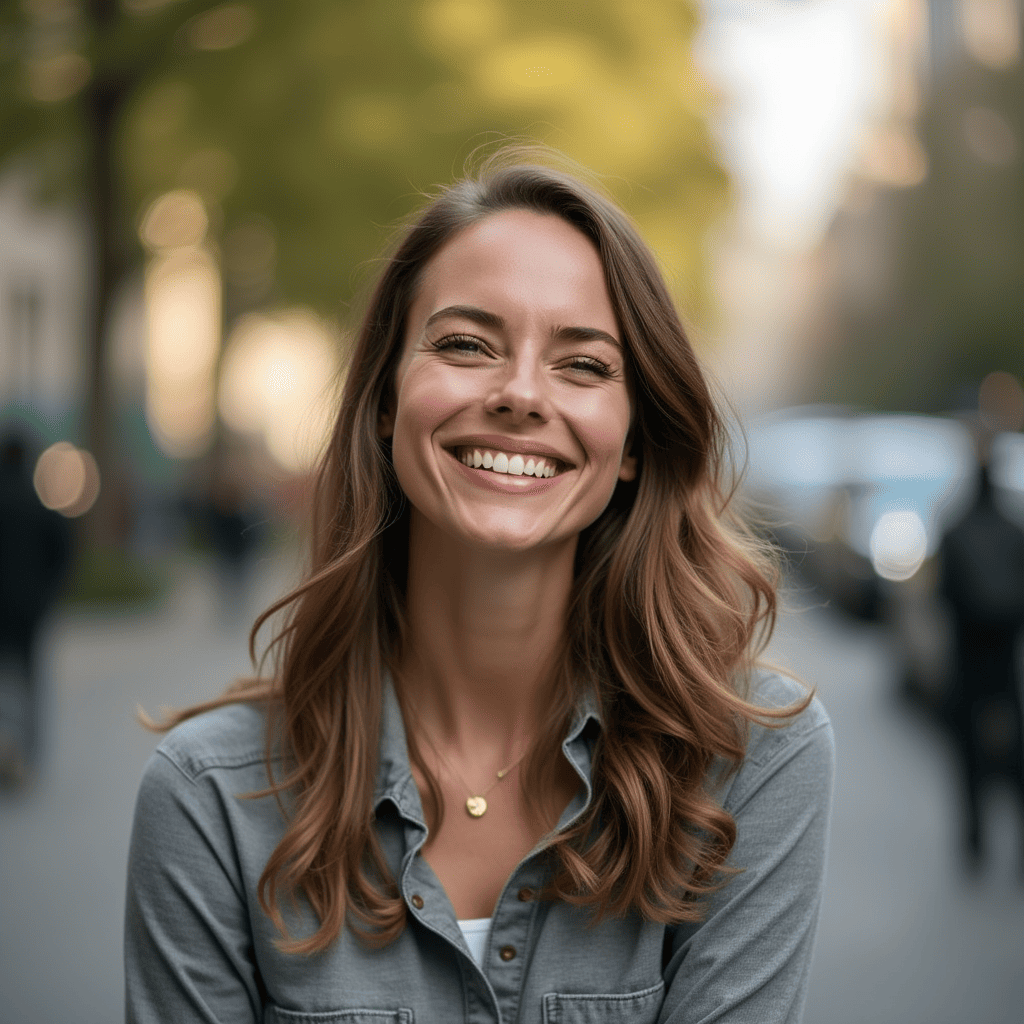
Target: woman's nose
[(520, 393)]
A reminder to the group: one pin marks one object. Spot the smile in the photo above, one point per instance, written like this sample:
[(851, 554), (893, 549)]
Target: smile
[(502, 462)]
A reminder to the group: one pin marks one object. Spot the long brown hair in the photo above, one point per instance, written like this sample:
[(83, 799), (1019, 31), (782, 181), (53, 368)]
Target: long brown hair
[(671, 603)]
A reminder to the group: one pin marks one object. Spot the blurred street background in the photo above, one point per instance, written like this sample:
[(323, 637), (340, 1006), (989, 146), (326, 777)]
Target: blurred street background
[(192, 199)]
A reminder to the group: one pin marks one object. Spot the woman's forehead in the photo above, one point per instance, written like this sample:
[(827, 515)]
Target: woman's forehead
[(518, 260)]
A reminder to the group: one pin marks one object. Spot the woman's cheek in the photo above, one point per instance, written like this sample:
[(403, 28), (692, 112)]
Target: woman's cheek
[(436, 397), (605, 428)]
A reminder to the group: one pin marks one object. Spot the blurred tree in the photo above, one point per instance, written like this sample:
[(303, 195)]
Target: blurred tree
[(952, 303), (306, 127), (69, 73)]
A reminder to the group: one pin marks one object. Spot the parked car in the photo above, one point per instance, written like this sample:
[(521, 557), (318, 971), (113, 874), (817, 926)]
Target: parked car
[(860, 501)]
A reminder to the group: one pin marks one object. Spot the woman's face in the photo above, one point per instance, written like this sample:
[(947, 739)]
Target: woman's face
[(511, 410)]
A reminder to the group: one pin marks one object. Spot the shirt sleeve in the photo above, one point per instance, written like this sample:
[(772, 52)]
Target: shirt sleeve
[(748, 962), (188, 941)]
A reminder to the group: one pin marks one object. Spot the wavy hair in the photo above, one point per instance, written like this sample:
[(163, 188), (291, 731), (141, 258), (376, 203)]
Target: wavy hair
[(672, 601)]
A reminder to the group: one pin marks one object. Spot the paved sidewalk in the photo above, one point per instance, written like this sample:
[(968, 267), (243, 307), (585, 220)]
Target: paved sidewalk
[(64, 840), (905, 938)]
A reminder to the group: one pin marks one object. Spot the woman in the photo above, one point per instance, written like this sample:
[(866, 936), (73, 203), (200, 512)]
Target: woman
[(522, 764)]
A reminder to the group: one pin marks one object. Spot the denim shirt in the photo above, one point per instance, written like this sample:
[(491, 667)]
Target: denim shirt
[(199, 948)]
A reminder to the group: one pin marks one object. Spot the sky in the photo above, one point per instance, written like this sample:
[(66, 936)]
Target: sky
[(799, 79)]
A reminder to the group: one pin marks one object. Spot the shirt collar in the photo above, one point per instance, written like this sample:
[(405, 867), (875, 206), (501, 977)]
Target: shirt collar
[(394, 774), (586, 711)]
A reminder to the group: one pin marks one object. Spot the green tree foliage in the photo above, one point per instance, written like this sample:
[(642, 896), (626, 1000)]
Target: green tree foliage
[(332, 117), (954, 303), (310, 126)]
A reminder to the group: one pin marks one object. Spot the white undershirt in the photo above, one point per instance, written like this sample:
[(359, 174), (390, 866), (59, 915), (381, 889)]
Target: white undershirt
[(474, 931)]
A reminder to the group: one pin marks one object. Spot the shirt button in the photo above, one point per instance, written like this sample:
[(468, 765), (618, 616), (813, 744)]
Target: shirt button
[(507, 953), (417, 901), (525, 894)]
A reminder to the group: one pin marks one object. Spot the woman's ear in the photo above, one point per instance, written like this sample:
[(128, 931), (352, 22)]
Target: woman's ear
[(627, 468)]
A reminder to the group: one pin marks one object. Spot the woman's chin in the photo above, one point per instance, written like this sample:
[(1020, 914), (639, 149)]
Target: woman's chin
[(510, 541), (503, 535)]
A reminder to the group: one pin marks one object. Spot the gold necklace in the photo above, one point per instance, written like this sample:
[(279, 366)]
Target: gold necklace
[(476, 805)]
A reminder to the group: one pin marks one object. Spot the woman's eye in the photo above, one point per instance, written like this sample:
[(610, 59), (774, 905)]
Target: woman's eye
[(588, 364), (459, 343)]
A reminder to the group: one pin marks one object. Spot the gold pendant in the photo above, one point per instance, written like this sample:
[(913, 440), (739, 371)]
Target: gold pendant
[(477, 806)]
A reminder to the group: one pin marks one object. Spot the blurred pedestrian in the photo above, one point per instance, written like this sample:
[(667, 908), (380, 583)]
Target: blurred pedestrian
[(982, 581), (35, 547), (233, 533)]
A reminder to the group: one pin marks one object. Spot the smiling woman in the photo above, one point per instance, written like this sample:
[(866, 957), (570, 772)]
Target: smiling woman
[(516, 759)]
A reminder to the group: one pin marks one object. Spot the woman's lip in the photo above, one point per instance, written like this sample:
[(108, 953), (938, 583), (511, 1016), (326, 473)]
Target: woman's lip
[(511, 445)]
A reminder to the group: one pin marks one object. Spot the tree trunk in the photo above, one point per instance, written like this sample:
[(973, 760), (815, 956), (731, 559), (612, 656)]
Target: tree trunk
[(102, 102)]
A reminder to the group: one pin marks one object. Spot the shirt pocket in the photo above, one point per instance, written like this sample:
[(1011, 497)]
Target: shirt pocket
[(275, 1015), (633, 1007)]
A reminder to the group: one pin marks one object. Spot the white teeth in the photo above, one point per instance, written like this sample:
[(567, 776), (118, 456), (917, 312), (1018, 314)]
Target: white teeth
[(499, 462)]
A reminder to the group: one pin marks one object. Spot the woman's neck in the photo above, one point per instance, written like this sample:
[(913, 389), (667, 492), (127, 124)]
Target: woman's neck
[(484, 632)]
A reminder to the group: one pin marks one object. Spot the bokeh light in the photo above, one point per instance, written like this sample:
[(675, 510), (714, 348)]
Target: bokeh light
[(893, 156), (898, 545), (67, 479), (275, 377), (1001, 401), (222, 28), (991, 30), (175, 220), (183, 296), (56, 77)]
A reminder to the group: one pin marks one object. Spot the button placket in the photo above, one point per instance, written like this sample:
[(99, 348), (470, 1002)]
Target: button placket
[(429, 904), (508, 944)]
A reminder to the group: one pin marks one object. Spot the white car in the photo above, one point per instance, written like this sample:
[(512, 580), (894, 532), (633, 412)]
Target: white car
[(885, 486)]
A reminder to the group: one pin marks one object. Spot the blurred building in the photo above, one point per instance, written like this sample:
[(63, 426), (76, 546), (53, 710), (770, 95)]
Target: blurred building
[(909, 283), (921, 286), (43, 288), (797, 83)]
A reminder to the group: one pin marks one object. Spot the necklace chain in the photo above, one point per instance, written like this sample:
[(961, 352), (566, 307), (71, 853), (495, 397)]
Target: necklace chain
[(476, 804)]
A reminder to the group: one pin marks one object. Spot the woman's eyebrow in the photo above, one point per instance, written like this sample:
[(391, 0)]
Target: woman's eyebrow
[(487, 319), (474, 313), (585, 334)]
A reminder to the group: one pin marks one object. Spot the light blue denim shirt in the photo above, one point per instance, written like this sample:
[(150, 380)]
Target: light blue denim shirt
[(198, 947)]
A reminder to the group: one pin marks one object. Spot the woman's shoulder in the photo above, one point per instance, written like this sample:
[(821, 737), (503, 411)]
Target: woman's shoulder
[(774, 690), (230, 737), (799, 748), (198, 768), (201, 835)]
